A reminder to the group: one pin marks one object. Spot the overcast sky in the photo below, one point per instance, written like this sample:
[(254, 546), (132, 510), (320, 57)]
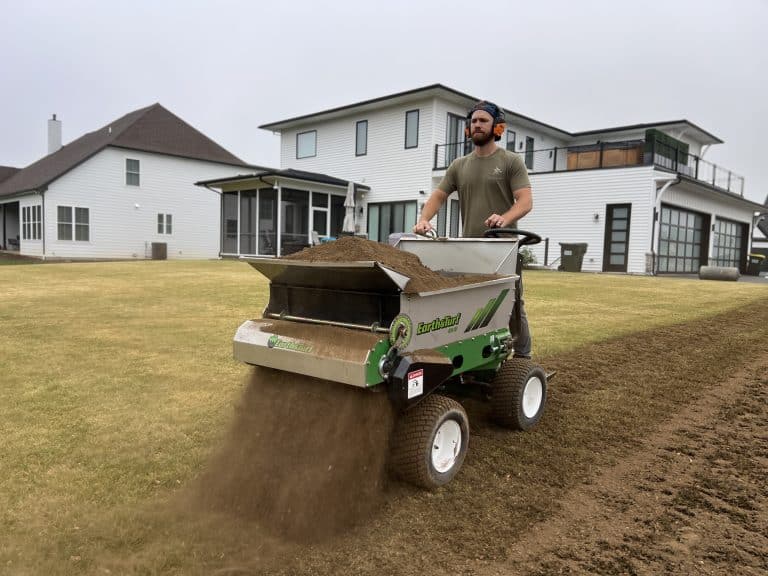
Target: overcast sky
[(228, 66)]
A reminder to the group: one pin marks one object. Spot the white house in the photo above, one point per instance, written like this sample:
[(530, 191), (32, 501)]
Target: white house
[(641, 197), (125, 190)]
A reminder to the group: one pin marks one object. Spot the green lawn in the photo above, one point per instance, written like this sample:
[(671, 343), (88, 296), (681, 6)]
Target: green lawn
[(117, 382)]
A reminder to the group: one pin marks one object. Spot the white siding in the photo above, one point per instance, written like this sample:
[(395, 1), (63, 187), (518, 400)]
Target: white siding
[(564, 206), (123, 219), (392, 171)]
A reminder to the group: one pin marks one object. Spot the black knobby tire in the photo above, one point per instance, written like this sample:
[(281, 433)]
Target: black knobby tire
[(509, 405), (414, 441)]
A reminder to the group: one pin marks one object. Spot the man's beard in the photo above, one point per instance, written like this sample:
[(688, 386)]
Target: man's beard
[(480, 139)]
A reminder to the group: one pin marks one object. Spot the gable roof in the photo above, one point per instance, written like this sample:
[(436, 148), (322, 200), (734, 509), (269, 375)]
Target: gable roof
[(467, 101), (7, 171), (150, 129)]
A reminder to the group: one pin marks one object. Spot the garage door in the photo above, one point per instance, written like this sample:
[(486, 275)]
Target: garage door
[(682, 240), (730, 243)]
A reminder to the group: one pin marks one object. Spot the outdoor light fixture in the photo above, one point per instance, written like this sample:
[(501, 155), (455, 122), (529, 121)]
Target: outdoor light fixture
[(596, 216), (361, 210), (274, 185)]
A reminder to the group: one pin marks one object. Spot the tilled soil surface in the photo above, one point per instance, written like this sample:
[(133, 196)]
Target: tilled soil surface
[(651, 458)]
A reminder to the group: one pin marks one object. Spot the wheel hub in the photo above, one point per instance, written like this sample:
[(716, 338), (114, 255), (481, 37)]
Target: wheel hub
[(532, 396), (446, 446)]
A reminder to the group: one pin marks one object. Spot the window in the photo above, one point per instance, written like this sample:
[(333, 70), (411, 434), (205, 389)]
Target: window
[(306, 144), (131, 172), (442, 215), (454, 231), (529, 152), (30, 222), (361, 138), (81, 224), (164, 224), (79, 228), (65, 222), (511, 136), (386, 219), (412, 129)]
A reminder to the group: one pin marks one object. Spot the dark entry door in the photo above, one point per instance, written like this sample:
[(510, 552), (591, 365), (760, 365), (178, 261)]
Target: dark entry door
[(616, 244)]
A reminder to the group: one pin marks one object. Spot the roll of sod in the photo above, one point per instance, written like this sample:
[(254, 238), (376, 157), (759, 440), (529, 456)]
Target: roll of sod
[(728, 273)]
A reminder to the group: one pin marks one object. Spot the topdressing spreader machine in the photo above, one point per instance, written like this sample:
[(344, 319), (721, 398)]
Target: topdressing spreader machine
[(353, 322)]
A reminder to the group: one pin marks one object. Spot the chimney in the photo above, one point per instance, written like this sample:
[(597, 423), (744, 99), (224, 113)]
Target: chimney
[(54, 135)]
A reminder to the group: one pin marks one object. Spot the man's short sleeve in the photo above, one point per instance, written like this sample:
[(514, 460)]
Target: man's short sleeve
[(518, 174), (449, 183)]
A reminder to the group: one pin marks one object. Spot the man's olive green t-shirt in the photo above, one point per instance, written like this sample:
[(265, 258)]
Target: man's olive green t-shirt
[(485, 185)]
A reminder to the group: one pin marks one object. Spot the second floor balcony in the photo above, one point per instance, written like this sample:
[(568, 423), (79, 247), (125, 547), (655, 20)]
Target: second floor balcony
[(622, 154)]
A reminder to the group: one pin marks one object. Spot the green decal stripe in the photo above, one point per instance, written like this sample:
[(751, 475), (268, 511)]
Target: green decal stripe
[(475, 319), (495, 307), (480, 315)]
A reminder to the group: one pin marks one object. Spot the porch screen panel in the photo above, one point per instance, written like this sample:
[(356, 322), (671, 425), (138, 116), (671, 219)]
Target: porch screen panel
[(267, 222), (229, 225), (294, 228), (248, 222)]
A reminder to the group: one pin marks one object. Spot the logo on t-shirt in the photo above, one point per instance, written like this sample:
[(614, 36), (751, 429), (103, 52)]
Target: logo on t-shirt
[(496, 171)]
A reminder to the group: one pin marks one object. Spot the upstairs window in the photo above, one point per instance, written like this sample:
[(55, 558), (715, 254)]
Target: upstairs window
[(361, 138), (511, 136), (306, 144), (412, 129), (131, 172), (164, 224)]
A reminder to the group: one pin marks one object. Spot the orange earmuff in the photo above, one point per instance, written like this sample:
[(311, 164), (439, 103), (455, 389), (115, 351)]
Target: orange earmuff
[(498, 130)]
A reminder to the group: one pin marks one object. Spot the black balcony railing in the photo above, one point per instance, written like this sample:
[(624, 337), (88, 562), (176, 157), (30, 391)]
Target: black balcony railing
[(611, 155)]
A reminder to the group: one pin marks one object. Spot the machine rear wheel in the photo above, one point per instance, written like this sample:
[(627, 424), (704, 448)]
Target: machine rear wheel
[(430, 442), (519, 394)]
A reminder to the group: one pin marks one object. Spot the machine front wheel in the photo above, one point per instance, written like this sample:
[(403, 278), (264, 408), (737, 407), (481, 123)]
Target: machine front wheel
[(430, 442), (519, 394)]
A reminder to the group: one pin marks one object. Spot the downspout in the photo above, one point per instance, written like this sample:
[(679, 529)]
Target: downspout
[(667, 182)]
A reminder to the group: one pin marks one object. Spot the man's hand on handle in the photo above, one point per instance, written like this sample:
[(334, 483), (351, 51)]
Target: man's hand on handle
[(495, 221), (422, 227)]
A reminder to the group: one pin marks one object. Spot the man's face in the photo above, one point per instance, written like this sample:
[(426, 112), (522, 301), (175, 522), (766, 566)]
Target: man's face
[(481, 127)]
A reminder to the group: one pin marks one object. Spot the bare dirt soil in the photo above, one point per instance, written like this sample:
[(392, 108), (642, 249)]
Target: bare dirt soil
[(651, 458)]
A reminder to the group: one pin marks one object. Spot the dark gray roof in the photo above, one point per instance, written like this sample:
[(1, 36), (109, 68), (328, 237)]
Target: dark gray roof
[(264, 172), (150, 129), (7, 171)]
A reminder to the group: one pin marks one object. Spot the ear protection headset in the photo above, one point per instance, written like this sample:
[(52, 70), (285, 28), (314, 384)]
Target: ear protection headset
[(499, 124)]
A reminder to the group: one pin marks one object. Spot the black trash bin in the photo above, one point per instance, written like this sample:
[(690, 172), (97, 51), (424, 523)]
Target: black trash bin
[(756, 261), (572, 256)]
